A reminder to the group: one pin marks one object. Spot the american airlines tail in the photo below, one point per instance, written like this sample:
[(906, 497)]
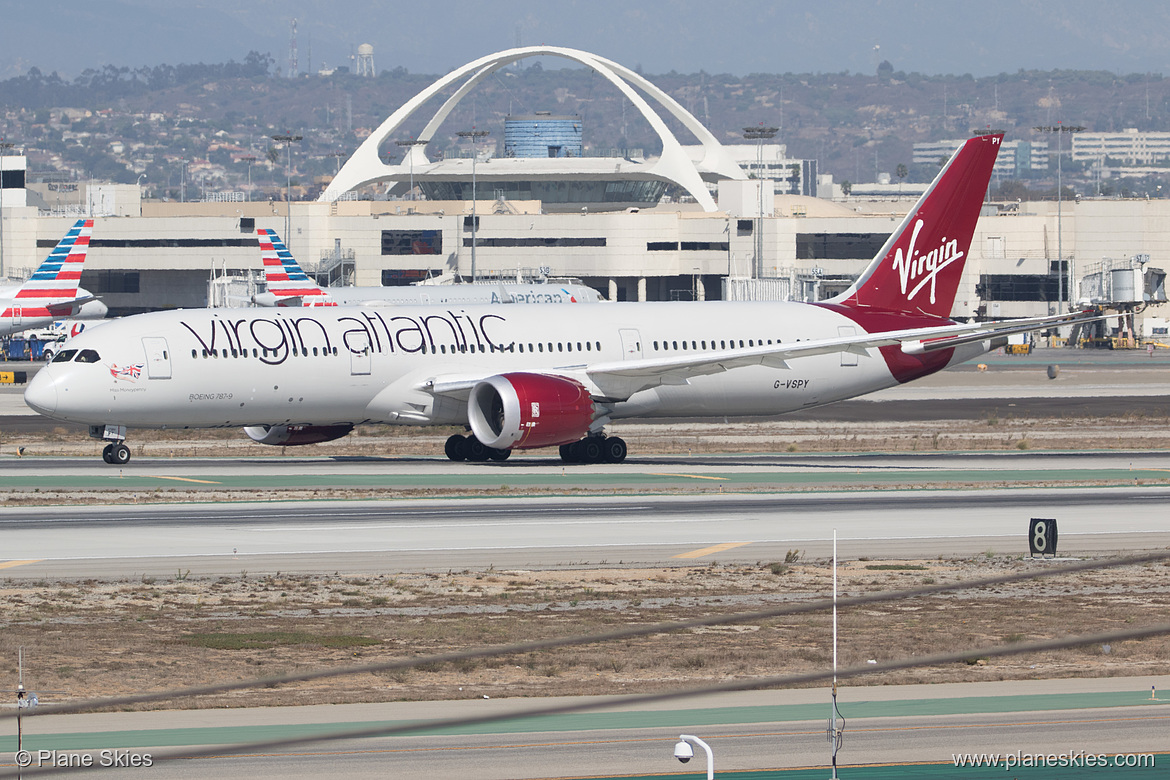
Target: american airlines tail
[(918, 269), (52, 291), (286, 281)]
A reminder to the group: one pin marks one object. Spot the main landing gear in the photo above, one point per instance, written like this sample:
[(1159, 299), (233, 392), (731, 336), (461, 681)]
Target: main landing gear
[(591, 449), (470, 448), (116, 454), (595, 449)]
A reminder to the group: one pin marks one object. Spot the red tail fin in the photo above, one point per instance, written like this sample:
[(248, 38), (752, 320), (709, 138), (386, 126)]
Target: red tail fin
[(918, 269)]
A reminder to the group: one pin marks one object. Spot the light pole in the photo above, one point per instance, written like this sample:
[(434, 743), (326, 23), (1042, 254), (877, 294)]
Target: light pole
[(684, 752), (474, 135), (288, 140), (249, 159), (1060, 129), (4, 147), (409, 145), (759, 134)]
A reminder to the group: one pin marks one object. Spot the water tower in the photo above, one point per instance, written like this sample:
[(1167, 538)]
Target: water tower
[(365, 60)]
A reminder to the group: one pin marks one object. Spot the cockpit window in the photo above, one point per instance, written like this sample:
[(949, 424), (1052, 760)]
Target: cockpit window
[(64, 356), (88, 356)]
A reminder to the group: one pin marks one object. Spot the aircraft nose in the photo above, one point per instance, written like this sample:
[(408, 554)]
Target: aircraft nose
[(41, 393)]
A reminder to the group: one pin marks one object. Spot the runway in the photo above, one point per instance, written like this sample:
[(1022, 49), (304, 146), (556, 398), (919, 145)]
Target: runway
[(368, 536), (747, 731)]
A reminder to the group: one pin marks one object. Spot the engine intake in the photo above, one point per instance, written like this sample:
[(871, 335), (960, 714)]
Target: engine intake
[(296, 435), (524, 411)]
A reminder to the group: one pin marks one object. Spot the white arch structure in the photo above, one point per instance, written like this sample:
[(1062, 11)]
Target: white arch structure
[(675, 165)]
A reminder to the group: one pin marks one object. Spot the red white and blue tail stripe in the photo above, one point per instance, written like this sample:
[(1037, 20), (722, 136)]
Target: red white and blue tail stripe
[(52, 289), (286, 281)]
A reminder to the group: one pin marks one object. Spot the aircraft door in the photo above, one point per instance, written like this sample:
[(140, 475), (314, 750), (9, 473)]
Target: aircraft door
[(359, 362), (16, 318), (847, 358), (631, 344), (158, 357)]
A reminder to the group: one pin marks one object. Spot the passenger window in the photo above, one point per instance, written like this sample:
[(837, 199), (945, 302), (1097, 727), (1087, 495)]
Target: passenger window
[(560, 347), (578, 346), (88, 356), (722, 345), (704, 343), (587, 346), (741, 343), (694, 345), (67, 355), (541, 347), (598, 343), (194, 353), (750, 344), (675, 344)]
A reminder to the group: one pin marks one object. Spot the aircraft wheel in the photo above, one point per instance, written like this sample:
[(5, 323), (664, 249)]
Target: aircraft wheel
[(456, 447), (568, 453), (614, 449), (107, 453), (120, 454), (590, 450), (477, 451), (496, 454)]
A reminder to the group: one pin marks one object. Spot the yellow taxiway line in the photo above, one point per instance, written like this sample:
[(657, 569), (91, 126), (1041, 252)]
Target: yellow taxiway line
[(11, 564), (711, 550), (184, 479)]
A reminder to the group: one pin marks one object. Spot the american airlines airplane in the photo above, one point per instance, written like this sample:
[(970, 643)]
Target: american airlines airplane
[(289, 285), (523, 377), (51, 293)]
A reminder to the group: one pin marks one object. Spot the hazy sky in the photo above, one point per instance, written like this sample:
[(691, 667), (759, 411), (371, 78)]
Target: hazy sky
[(718, 36)]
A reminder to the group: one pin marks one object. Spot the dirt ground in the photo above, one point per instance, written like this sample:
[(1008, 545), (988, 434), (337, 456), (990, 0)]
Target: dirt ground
[(97, 638)]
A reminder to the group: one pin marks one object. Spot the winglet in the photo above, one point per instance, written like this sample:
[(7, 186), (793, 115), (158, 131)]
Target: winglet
[(918, 269)]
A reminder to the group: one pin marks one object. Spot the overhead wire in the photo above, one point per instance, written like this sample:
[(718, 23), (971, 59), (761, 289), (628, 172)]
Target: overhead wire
[(1160, 629), (631, 632)]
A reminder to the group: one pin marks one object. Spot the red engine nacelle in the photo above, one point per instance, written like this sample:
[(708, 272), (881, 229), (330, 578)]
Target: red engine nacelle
[(523, 411), (296, 435)]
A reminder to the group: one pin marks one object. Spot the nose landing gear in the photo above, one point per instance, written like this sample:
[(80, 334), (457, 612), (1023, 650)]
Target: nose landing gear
[(116, 454)]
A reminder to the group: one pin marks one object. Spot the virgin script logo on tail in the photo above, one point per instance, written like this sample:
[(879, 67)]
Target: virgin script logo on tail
[(923, 269)]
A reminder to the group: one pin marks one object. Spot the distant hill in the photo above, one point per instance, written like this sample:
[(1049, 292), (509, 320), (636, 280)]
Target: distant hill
[(854, 124)]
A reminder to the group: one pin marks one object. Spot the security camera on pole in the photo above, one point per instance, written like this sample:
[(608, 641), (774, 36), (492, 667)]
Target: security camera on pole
[(684, 752)]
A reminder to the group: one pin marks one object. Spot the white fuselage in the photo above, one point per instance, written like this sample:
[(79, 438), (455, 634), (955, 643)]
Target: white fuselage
[(325, 366)]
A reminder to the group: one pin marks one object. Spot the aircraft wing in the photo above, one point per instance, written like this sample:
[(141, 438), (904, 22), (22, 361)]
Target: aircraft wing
[(618, 380)]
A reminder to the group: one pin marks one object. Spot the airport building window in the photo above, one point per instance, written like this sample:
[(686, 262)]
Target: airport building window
[(661, 246), (549, 242), (1018, 287), (111, 281), (704, 246), (412, 242), (838, 246)]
